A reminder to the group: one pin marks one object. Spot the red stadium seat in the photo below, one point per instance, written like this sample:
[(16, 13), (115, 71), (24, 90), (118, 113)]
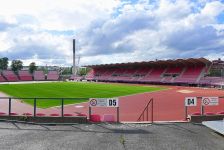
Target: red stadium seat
[(40, 114), (95, 118), (53, 75), (190, 75), (2, 79), (54, 115), (80, 114), (174, 70), (108, 118), (10, 75), (14, 114), (2, 113), (209, 113), (25, 75), (27, 114), (90, 75), (68, 115), (39, 76), (220, 113), (196, 114), (153, 76)]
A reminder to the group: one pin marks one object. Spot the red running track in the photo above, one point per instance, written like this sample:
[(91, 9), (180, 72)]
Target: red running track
[(168, 105)]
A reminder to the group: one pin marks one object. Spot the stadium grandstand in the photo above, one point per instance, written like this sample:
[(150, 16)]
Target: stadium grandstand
[(76, 78), (24, 75), (53, 76), (39, 76), (10, 75), (2, 79), (192, 71)]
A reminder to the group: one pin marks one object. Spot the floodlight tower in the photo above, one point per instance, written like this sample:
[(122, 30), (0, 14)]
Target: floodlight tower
[(74, 68)]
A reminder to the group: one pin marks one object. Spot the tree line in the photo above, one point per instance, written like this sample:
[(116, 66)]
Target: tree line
[(16, 65)]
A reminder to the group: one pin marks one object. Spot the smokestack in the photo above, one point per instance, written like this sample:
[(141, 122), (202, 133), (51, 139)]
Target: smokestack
[(74, 68)]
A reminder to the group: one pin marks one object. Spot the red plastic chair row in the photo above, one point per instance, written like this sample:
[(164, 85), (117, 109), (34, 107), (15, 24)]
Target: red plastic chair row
[(221, 113), (105, 118), (209, 113), (54, 115), (196, 114), (27, 114), (80, 114), (14, 114), (2, 113), (95, 118)]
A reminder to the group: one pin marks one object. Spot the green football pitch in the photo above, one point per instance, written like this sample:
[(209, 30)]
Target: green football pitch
[(71, 90)]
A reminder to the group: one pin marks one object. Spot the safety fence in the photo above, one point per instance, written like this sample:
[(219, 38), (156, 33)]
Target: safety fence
[(37, 99), (147, 113)]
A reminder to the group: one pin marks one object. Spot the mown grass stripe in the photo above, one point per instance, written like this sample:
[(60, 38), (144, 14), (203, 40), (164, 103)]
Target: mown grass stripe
[(71, 89)]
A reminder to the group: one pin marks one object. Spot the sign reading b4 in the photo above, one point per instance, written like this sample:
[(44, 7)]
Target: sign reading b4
[(190, 101)]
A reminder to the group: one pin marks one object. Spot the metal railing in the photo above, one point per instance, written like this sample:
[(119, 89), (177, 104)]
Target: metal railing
[(146, 110), (35, 99), (201, 107)]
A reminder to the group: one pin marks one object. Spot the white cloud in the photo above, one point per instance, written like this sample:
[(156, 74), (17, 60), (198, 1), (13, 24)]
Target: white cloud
[(109, 31), (58, 14), (40, 27), (165, 30)]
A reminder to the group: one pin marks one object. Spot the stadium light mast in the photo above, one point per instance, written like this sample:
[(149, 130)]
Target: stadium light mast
[(74, 68)]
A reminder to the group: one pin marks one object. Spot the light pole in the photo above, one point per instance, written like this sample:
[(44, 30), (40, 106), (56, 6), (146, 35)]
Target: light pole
[(74, 67)]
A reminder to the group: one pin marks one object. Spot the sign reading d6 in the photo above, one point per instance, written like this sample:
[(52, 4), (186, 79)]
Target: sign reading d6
[(112, 102), (190, 101)]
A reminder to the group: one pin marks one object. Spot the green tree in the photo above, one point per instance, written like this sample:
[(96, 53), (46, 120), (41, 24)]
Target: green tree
[(66, 71), (82, 71), (44, 69), (16, 65), (4, 63), (32, 67)]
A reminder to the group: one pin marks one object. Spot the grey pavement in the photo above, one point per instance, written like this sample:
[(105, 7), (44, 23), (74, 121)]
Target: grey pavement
[(170, 136)]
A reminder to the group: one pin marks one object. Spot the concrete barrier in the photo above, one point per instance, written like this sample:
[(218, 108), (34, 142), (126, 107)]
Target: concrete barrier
[(199, 119), (47, 119)]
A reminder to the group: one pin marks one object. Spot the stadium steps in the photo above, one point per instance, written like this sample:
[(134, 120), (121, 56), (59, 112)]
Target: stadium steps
[(2, 78), (181, 74), (10, 76), (150, 71), (172, 80), (201, 75), (163, 73), (183, 71), (164, 78), (24, 75)]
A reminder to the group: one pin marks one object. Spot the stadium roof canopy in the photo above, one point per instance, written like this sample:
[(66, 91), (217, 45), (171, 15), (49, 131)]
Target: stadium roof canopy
[(159, 63)]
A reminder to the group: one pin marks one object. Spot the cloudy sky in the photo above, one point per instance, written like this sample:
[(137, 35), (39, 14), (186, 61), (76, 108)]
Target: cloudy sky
[(110, 31)]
